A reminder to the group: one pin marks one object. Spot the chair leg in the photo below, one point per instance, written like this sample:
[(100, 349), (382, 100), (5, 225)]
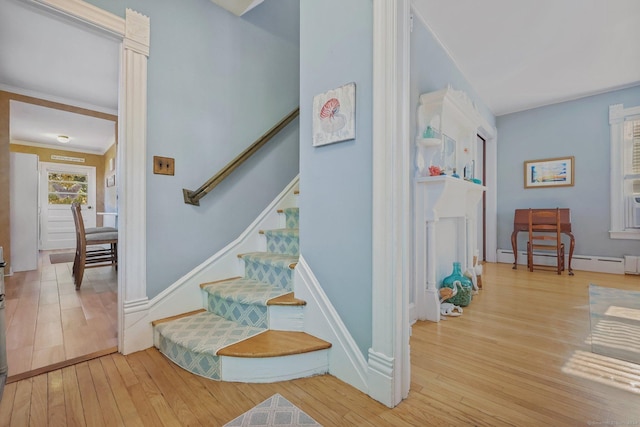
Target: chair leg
[(114, 255), (79, 273), (560, 260), (114, 250)]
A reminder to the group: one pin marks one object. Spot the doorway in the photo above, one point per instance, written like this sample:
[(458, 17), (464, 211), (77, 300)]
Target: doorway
[(49, 324), (61, 185)]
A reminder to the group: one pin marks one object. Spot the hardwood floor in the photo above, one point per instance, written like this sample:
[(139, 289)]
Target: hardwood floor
[(518, 356), (49, 322)]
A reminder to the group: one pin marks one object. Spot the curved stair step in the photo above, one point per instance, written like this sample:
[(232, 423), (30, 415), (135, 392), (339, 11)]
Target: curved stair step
[(276, 269), (242, 300), (274, 344), (244, 291), (270, 259), (193, 342), (282, 297), (275, 356), (287, 300)]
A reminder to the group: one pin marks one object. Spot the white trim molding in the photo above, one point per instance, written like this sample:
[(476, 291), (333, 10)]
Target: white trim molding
[(618, 203), (132, 155), (321, 319), (87, 13), (389, 381), (599, 264), (134, 32)]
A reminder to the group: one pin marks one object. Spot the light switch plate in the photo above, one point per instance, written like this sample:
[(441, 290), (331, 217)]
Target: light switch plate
[(163, 165)]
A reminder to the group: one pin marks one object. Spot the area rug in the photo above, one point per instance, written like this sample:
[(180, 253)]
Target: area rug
[(615, 323), (275, 411), (61, 257)]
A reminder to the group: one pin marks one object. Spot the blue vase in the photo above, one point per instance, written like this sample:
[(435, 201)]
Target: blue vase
[(464, 288)]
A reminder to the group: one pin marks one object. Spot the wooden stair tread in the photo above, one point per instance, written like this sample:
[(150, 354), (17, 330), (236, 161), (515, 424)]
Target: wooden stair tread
[(278, 257), (275, 343), (203, 285), (177, 316), (287, 299)]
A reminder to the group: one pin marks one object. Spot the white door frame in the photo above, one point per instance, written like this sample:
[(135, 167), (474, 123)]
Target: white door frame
[(88, 215), (389, 359), (133, 30)]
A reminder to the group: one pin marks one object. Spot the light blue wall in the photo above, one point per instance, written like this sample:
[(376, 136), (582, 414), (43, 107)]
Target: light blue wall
[(432, 69), (577, 128), (336, 180), (216, 82)]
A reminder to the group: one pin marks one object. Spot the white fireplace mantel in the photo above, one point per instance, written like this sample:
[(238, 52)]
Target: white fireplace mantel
[(446, 196), (440, 198)]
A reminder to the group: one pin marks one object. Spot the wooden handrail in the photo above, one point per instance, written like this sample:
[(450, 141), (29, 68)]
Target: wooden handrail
[(193, 197)]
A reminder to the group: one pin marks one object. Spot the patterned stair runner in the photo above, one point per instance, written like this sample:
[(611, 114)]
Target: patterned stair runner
[(274, 269), (292, 217), (193, 342), (243, 300), (236, 308), (283, 241)]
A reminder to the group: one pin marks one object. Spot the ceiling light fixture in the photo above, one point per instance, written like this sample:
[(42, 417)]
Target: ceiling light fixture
[(63, 138)]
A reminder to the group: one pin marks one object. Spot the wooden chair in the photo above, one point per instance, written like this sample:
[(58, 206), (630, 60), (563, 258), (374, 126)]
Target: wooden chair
[(544, 235), (90, 248), (93, 230)]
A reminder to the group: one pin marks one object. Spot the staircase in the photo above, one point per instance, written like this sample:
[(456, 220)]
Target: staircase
[(251, 328)]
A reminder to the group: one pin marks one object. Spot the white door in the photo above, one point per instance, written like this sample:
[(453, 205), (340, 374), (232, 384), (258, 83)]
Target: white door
[(61, 185), (24, 211)]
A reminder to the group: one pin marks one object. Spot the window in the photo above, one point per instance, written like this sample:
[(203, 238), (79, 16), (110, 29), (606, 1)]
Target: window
[(66, 188), (625, 172)]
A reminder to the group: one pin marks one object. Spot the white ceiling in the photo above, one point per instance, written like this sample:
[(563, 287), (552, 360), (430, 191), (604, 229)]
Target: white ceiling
[(36, 124), (51, 57), (516, 55), (523, 54)]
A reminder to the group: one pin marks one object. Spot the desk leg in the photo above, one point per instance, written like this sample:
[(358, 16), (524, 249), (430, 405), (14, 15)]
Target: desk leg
[(572, 244), (514, 246)]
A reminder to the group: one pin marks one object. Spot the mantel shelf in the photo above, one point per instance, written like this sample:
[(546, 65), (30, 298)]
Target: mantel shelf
[(444, 178), (446, 196)]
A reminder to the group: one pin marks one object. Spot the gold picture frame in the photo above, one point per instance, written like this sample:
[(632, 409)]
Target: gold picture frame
[(555, 172)]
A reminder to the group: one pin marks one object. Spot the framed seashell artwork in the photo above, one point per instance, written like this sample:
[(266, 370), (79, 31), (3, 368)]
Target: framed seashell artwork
[(334, 115)]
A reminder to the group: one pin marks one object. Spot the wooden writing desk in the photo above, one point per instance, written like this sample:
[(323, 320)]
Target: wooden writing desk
[(521, 223)]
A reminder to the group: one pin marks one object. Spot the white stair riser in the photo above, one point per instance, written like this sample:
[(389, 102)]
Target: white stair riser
[(273, 369), (286, 318)]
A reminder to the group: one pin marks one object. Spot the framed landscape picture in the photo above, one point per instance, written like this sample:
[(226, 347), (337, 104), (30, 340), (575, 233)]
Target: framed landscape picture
[(556, 172)]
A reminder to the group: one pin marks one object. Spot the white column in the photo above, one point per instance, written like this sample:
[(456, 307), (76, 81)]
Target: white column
[(132, 270), (388, 357), (432, 296)]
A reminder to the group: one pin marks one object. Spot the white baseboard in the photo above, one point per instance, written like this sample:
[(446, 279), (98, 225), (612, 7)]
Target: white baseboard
[(346, 361), (185, 295), (597, 264)]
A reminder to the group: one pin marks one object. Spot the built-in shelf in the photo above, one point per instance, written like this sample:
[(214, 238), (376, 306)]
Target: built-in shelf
[(446, 207)]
